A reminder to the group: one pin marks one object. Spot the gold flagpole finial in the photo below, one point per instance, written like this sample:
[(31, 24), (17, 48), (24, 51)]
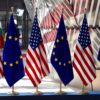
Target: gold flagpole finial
[(62, 10), (12, 9), (85, 10)]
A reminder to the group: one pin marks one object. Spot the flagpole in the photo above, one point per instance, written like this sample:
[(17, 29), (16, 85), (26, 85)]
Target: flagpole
[(83, 90), (60, 91), (12, 11), (60, 87), (37, 91), (91, 87), (13, 90)]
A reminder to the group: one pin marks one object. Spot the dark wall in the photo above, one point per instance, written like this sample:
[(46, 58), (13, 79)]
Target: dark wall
[(6, 4)]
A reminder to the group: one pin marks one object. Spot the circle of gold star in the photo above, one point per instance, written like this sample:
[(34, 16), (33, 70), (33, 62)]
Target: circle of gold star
[(21, 57), (69, 62), (64, 64), (62, 37), (57, 40), (11, 64), (16, 62), (16, 39), (5, 63), (54, 46), (59, 63), (56, 59), (10, 37), (53, 53)]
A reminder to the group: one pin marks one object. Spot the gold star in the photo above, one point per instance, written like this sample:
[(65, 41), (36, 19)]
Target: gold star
[(64, 64), (56, 59), (21, 57), (10, 37), (57, 40), (54, 46), (69, 62), (5, 63), (62, 37), (59, 63), (16, 39), (53, 53), (11, 64), (16, 62)]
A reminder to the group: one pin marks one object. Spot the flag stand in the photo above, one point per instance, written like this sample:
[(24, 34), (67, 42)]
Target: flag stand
[(60, 91), (83, 91), (13, 91), (91, 87), (37, 91)]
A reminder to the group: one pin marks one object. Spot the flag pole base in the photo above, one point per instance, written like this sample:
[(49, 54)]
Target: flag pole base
[(38, 93), (61, 92), (13, 93), (84, 92)]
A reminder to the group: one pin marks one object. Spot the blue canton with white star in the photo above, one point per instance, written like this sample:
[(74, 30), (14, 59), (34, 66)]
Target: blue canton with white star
[(84, 36), (35, 38)]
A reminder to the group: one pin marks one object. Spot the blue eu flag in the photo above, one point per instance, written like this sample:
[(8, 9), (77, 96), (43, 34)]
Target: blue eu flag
[(60, 57), (12, 58)]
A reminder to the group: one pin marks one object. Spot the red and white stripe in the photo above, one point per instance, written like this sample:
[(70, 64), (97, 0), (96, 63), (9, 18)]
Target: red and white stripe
[(36, 65), (1, 69), (83, 63), (49, 36)]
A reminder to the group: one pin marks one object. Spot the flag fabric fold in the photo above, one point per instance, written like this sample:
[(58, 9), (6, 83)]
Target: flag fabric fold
[(1, 68), (12, 58), (99, 55), (1, 46), (36, 65), (1, 39), (83, 60), (60, 57)]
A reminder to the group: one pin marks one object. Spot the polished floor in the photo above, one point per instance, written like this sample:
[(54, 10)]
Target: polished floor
[(49, 84)]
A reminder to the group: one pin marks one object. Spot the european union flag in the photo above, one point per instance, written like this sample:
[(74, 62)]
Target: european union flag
[(12, 58), (60, 57)]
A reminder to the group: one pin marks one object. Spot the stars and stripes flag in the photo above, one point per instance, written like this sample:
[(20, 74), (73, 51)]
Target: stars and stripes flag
[(36, 63), (83, 61)]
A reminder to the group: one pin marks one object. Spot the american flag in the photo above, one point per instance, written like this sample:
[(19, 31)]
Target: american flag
[(83, 61), (36, 65)]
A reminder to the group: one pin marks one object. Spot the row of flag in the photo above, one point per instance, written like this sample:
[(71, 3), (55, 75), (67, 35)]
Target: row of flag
[(36, 66)]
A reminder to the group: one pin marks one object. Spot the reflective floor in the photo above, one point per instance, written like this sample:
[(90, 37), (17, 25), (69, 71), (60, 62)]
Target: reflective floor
[(49, 85)]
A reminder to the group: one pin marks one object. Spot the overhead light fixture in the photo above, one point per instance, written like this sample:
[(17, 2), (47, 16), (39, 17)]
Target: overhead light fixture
[(0, 25), (20, 12)]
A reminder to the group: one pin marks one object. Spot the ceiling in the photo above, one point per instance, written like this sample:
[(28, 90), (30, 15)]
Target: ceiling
[(5, 5)]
